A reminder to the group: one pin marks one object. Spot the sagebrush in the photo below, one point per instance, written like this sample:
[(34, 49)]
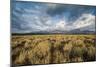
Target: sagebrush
[(50, 49)]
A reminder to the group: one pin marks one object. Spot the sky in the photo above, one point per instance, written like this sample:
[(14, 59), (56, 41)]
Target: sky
[(29, 17)]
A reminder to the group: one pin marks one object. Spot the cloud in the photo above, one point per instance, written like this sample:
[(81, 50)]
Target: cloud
[(72, 12), (85, 20), (61, 25), (33, 17)]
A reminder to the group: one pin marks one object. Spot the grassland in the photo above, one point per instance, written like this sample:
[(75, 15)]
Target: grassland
[(50, 49)]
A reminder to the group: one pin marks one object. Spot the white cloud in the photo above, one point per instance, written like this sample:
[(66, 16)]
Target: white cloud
[(61, 25), (86, 20)]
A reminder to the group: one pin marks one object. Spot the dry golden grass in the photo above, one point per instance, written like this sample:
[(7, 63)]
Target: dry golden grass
[(48, 49)]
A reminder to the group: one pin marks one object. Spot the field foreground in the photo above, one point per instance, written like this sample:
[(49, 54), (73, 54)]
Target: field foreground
[(50, 49)]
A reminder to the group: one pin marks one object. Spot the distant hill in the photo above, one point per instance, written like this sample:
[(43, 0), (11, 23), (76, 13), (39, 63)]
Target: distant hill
[(75, 31)]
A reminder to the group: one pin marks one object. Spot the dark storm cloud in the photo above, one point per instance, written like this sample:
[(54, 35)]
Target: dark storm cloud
[(73, 11), (26, 14)]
